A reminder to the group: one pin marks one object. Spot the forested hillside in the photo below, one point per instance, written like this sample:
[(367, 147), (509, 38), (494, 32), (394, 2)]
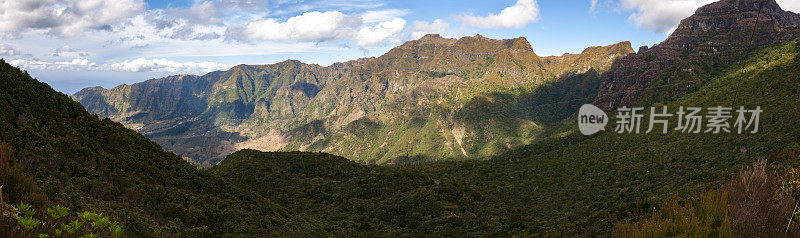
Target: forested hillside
[(573, 184), (56, 153), (570, 185), (367, 109), (59, 164)]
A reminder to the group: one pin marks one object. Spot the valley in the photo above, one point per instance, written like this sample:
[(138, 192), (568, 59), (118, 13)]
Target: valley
[(468, 137), (346, 107)]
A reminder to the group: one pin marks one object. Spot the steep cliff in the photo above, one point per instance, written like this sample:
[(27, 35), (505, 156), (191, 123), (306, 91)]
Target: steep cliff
[(718, 35), (295, 106)]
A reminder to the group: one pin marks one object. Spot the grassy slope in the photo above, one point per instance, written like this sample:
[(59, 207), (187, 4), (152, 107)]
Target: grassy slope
[(572, 184)]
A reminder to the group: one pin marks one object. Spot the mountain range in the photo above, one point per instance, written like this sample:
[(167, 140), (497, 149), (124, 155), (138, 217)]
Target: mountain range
[(371, 109), (552, 181)]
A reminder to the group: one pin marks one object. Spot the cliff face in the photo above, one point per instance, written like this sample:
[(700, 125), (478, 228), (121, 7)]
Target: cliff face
[(717, 35), (292, 105), (422, 97)]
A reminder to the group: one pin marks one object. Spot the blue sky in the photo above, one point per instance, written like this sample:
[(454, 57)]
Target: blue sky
[(72, 44)]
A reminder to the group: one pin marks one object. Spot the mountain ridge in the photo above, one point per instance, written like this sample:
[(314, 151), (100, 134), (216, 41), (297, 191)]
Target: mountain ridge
[(249, 104), (560, 184), (724, 31)]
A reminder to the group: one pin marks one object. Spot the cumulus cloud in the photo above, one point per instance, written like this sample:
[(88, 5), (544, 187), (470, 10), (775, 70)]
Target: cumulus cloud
[(175, 26), (136, 65), (65, 17), (661, 15), (517, 16), (310, 26), (367, 29), (206, 13), (165, 65), (74, 65), (421, 28), (373, 35)]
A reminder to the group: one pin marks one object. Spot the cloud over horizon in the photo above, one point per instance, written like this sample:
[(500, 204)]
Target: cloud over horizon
[(135, 65), (517, 16)]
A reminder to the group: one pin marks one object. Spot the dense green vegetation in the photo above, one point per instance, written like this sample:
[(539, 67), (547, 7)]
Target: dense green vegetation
[(23, 220), (418, 96), (63, 170), (562, 185), (56, 154)]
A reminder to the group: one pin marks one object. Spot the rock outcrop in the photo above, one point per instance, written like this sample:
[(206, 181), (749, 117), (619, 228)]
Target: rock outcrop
[(717, 34), (207, 117)]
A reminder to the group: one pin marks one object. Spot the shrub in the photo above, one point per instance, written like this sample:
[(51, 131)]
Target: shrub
[(57, 223), (758, 202)]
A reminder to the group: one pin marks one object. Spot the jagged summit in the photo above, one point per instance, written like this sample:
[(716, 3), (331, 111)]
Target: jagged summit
[(720, 33), (298, 106), (476, 41), (625, 45), (732, 15), (431, 36)]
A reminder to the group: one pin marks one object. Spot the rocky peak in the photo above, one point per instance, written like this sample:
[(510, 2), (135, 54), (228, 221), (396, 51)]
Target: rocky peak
[(624, 46), (480, 42), (519, 43), (254, 100), (429, 40), (727, 15), (431, 37), (721, 31)]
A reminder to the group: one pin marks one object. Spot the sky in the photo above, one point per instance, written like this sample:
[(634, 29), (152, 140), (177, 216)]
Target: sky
[(73, 44)]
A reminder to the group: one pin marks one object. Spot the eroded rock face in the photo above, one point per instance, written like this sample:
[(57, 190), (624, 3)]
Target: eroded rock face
[(717, 34), (207, 117)]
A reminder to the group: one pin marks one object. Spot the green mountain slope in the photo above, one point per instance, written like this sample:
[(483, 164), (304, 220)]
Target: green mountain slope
[(56, 153), (570, 185), (716, 36), (296, 106), (563, 185)]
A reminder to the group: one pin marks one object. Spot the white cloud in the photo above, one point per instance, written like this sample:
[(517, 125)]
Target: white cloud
[(517, 16), (388, 30), (69, 52), (421, 28), (310, 26), (74, 65), (7, 50), (136, 65), (65, 17), (367, 29), (164, 65), (594, 6), (790, 5), (173, 26), (382, 15), (661, 15), (205, 13)]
